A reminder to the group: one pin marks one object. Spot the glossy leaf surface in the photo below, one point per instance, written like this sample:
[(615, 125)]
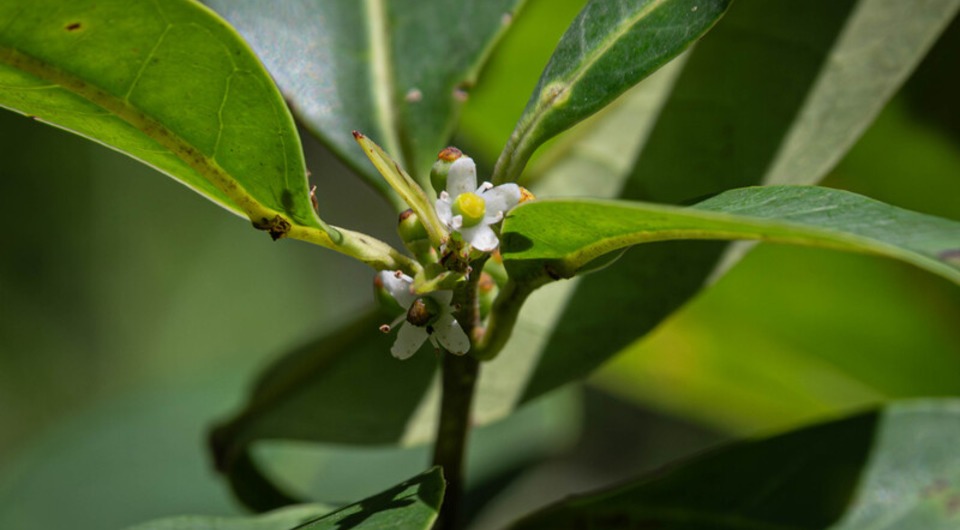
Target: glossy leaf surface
[(780, 482), (557, 238), (712, 135), (398, 71), (282, 519), (412, 505), (609, 47), (167, 83)]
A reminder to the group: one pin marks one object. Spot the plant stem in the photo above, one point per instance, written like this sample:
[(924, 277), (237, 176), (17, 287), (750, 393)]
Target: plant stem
[(459, 379)]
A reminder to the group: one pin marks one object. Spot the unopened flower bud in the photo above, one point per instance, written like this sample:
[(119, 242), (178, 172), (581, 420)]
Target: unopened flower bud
[(438, 173), (526, 195), (410, 228), (415, 237), (486, 293)]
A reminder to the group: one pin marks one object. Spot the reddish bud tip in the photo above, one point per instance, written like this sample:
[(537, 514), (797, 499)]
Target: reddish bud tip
[(450, 154)]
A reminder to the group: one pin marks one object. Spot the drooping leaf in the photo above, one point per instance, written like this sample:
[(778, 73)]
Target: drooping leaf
[(553, 239), (610, 47), (399, 71), (732, 111), (412, 505), (167, 83), (893, 468), (282, 519)]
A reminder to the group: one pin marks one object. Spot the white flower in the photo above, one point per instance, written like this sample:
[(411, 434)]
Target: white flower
[(469, 209), (428, 316)]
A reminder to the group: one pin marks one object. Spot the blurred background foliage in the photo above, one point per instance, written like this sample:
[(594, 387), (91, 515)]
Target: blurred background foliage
[(135, 313)]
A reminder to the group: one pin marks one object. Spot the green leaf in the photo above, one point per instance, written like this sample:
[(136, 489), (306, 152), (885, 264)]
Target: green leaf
[(341, 388), (608, 48), (713, 136), (397, 70), (554, 239), (581, 231), (167, 83), (411, 505), (892, 468), (171, 85), (759, 353), (282, 519)]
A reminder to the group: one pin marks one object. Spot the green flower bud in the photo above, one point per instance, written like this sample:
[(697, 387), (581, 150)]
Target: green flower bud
[(438, 173), (410, 228), (486, 293), (415, 237)]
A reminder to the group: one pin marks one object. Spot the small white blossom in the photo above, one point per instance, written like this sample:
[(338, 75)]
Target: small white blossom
[(428, 316), (470, 210)]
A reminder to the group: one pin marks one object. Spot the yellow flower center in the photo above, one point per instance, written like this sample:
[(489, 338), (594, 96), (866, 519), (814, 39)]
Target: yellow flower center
[(471, 206)]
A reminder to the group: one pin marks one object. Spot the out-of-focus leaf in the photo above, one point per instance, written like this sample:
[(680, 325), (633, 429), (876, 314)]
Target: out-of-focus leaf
[(331, 473), (411, 505), (758, 353), (397, 70), (553, 239), (342, 388), (609, 47), (841, 325), (514, 66), (282, 519), (731, 115), (167, 83), (896, 467)]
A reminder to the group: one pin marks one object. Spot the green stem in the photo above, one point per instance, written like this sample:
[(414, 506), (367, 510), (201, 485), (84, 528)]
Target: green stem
[(503, 317), (459, 380)]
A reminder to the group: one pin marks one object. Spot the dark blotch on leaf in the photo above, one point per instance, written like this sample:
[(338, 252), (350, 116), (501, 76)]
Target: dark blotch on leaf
[(277, 227), (286, 199), (73, 26)]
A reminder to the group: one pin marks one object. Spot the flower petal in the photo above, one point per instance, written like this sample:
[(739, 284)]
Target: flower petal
[(500, 200), (409, 340), (444, 211), (480, 237), (462, 177), (398, 286), (451, 335)]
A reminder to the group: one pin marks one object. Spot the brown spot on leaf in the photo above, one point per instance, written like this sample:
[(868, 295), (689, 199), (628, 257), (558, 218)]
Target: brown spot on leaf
[(73, 26), (277, 227)]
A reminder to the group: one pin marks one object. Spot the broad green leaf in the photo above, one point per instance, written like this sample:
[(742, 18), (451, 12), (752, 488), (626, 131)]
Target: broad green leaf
[(547, 240), (607, 49), (412, 505), (755, 352), (282, 519), (371, 398), (713, 135), (892, 468), (167, 83), (397, 70), (553, 239)]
